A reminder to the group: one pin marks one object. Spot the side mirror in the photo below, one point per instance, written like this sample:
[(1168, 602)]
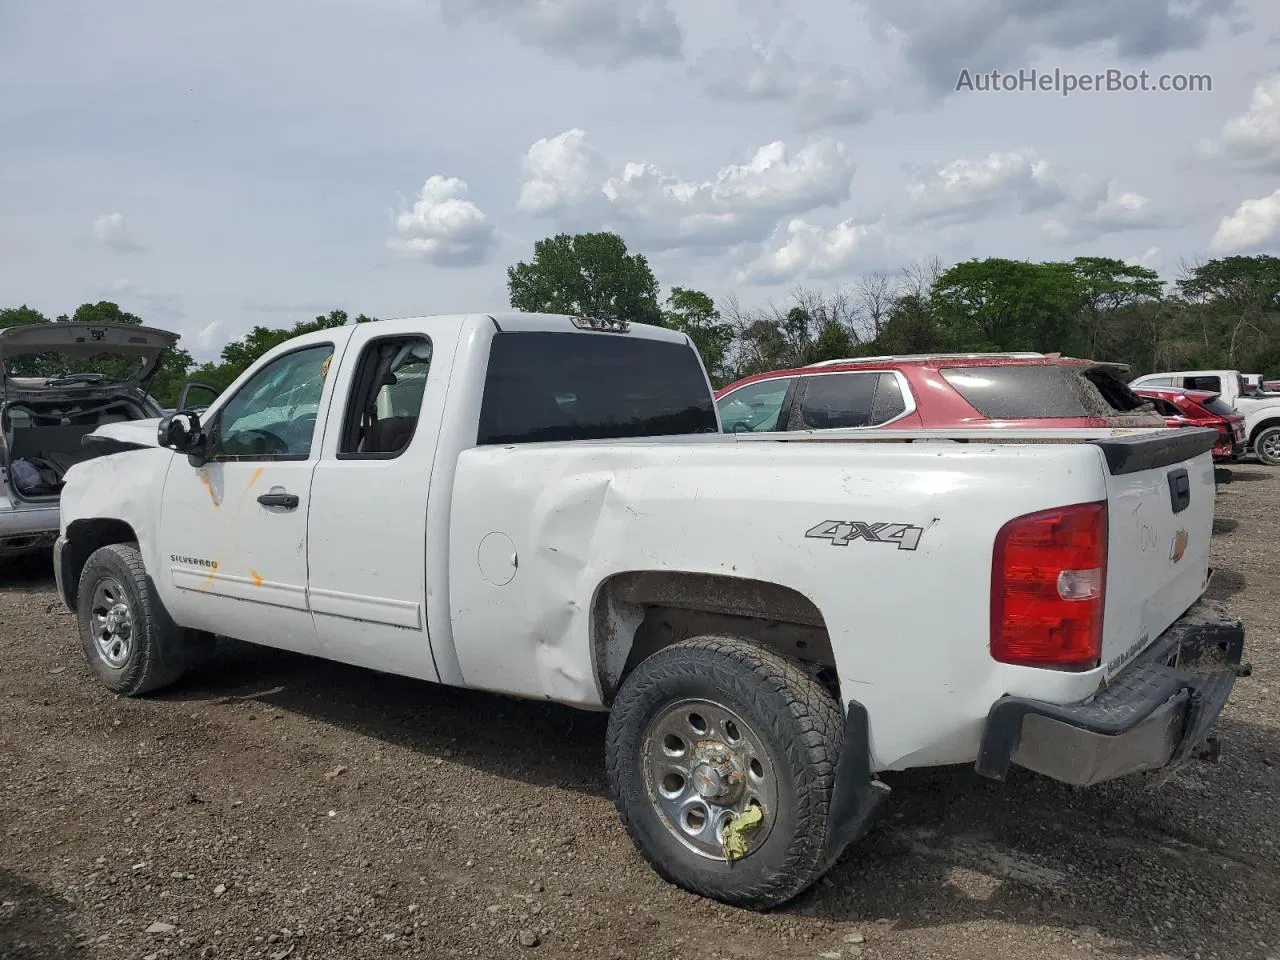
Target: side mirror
[(179, 431)]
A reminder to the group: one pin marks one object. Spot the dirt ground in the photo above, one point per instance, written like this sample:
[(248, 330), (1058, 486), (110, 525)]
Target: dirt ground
[(276, 806)]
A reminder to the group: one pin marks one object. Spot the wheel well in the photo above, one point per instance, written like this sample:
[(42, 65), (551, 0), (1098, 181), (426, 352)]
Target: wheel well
[(82, 539), (635, 615), (1264, 425)]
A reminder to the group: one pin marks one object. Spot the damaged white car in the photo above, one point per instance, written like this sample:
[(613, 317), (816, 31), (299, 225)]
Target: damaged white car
[(61, 381)]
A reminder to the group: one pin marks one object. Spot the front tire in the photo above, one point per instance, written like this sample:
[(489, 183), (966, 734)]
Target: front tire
[(1267, 446), (126, 636), (703, 730)]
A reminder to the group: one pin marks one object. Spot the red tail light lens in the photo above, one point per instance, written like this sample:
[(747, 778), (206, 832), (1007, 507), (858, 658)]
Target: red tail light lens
[(1048, 581)]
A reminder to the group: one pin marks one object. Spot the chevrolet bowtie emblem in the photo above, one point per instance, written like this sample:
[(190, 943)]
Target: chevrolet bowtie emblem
[(1179, 546)]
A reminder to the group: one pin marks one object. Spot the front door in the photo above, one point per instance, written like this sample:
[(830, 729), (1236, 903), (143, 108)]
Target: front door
[(233, 534)]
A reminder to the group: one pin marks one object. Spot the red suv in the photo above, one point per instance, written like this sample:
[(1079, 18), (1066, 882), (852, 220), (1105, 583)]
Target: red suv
[(938, 390), (1200, 408)]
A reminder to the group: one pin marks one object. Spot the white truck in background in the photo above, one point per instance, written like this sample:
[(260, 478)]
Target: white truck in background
[(544, 507), (1261, 410)]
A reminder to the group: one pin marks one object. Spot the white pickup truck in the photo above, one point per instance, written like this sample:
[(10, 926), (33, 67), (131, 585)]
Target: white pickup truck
[(544, 507), (1261, 410)]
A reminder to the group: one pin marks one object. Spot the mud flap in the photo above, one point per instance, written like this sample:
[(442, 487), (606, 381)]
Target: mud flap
[(857, 794)]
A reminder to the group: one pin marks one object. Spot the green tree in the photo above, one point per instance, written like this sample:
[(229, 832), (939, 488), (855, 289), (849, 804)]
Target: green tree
[(694, 313), (242, 353), (998, 304), (832, 343), (20, 316), (1108, 289), (586, 274), (909, 327)]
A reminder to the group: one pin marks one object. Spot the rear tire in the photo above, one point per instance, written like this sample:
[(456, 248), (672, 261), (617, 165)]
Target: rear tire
[(126, 635), (706, 728), (1267, 446)]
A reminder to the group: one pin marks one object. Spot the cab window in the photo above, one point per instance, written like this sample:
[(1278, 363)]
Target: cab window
[(386, 398)]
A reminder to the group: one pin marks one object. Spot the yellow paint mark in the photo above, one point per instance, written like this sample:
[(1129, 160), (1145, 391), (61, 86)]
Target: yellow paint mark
[(208, 485), (256, 577), (208, 581), (257, 475)]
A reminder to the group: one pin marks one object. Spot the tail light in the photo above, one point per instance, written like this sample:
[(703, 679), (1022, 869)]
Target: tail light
[(1048, 581)]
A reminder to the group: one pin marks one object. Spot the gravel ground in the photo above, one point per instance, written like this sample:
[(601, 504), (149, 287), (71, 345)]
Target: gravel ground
[(277, 806)]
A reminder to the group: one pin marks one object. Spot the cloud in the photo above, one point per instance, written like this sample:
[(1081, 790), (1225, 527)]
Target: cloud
[(1103, 210), (443, 227), (111, 232), (1152, 258), (938, 38), (965, 191), (155, 309), (739, 204), (823, 95), (563, 172), (1254, 225), (802, 249), (1251, 141), (592, 33), (205, 337)]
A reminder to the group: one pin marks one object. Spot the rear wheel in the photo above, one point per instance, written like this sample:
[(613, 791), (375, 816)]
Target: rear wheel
[(715, 740), (127, 638), (1267, 446)]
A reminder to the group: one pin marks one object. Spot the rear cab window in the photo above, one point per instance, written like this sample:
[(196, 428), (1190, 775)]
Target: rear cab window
[(547, 386), (1209, 384), (1042, 391)]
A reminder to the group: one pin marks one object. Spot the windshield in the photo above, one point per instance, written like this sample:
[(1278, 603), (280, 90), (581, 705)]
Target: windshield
[(59, 369)]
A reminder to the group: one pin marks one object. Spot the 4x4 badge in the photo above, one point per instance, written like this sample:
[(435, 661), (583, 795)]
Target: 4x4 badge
[(842, 532)]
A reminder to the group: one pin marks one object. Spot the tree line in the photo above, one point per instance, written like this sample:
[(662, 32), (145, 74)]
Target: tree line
[(1217, 313), (1220, 313)]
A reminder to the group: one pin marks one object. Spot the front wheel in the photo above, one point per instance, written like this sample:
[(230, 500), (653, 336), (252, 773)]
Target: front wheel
[(1267, 446), (721, 758), (127, 637)]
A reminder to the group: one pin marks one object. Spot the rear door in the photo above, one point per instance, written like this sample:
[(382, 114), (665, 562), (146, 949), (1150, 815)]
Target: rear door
[(366, 537), (1160, 497)]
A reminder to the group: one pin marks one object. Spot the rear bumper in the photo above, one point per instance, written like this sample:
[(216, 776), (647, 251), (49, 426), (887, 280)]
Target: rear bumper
[(1156, 713)]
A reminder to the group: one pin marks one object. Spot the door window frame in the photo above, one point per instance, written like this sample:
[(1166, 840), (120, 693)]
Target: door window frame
[(215, 424), (802, 388), (357, 386)]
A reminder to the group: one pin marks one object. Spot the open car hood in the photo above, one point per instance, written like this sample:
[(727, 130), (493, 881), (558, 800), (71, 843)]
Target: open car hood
[(135, 352)]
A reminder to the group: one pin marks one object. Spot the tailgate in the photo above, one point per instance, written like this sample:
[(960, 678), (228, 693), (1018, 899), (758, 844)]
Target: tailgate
[(1160, 493)]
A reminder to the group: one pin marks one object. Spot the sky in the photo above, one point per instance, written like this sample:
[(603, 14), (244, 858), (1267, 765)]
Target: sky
[(218, 166)]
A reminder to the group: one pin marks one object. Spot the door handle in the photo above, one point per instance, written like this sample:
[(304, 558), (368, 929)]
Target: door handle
[(287, 500)]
